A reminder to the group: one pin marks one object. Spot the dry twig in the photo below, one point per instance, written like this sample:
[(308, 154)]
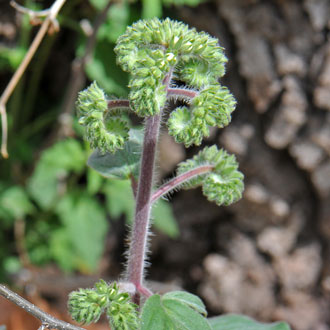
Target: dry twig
[(49, 24), (47, 320), (77, 79)]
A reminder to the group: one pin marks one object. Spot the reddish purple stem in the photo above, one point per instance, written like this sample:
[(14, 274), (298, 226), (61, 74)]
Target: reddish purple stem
[(181, 92), (179, 180), (112, 104), (139, 237)]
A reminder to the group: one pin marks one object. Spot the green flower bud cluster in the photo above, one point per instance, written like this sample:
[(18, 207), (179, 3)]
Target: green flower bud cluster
[(211, 107), (87, 305), (224, 184), (104, 131), (152, 49)]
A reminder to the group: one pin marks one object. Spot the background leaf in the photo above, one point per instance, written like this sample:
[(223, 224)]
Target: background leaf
[(119, 199), (116, 23), (151, 8), (240, 322), (164, 220), (16, 202), (94, 181), (85, 223), (103, 69), (54, 165)]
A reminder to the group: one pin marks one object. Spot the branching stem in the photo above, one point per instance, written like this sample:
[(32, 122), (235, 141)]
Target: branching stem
[(139, 238), (179, 180), (181, 93), (113, 104), (138, 243), (45, 318)]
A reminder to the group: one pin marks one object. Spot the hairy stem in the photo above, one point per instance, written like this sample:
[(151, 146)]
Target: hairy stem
[(113, 104), (139, 238), (179, 180), (46, 319), (181, 93), (137, 250)]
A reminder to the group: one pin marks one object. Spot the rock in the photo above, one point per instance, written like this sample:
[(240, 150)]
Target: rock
[(307, 154), (236, 139), (276, 241), (322, 91), (290, 117), (301, 311), (288, 62), (256, 63), (301, 269), (321, 179), (170, 153), (319, 13), (229, 287)]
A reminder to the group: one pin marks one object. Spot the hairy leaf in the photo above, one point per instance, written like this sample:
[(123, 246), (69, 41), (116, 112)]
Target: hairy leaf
[(240, 322), (189, 299), (175, 310), (123, 163)]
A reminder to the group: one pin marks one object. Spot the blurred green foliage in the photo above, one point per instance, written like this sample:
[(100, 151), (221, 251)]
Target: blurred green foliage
[(64, 205)]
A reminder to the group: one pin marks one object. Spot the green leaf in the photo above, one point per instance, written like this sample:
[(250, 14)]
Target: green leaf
[(94, 181), (54, 165), (189, 299), (119, 199), (184, 316), (123, 162), (192, 3), (16, 202), (98, 4), (175, 310), (241, 322), (11, 57), (164, 220), (61, 249), (154, 316), (85, 222), (12, 265), (116, 23), (151, 8), (104, 70)]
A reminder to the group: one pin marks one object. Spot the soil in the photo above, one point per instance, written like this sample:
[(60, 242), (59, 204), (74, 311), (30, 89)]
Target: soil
[(266, 256)]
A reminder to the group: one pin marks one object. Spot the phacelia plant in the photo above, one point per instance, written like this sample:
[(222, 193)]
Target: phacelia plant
[(166, 61)]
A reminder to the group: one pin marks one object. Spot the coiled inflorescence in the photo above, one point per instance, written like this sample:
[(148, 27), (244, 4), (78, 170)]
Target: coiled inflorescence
[(152, 50), (224, 184), (104, 130), (87, 305)]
